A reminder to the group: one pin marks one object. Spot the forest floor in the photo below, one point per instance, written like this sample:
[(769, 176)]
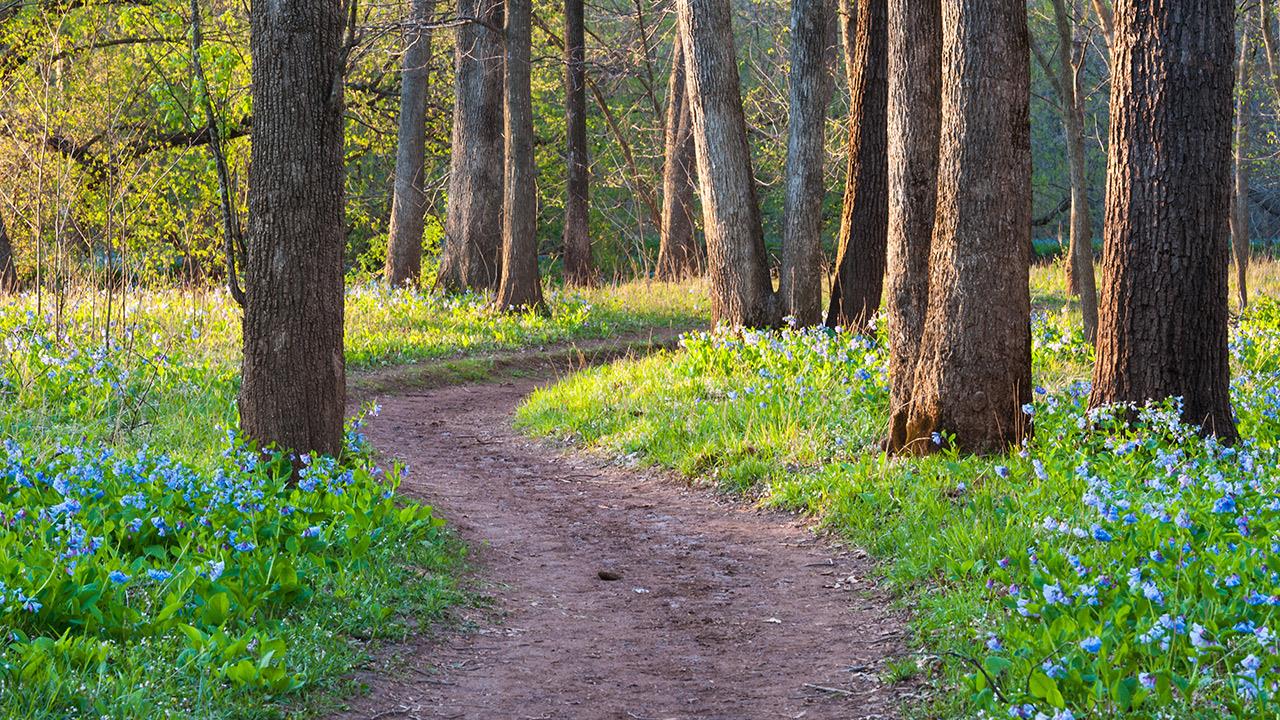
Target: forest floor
[(612, 592)]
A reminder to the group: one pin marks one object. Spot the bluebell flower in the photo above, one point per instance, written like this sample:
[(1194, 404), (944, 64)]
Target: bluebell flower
[(118, 577), (159, 575), (1091, 645)]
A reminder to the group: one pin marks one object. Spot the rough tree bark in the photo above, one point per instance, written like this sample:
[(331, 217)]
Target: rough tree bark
[(679, 254), (974, 369), (813, 42), (520, 288), (293, 378), (409, 199), (8, 268), (864, 219), (471, 258), (1071, 58), (741, 289), (1162, 328), (578, 266), (915, 87), (1240, 176)]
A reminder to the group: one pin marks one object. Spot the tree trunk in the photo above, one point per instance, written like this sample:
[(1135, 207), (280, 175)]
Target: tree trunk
[(974, 370), (8, 268), (741, 289), (1162, 328), (520, 288), (915, 87), (293, 387), (864, 219), (1240, 192), (1071, 94), (813, 42), (679, 254), (578, 266), (471, 258), (409, 201), (1269, 46)]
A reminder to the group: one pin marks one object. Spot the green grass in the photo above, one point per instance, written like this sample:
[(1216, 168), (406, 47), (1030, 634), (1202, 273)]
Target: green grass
[(125, 485), (793, 420)]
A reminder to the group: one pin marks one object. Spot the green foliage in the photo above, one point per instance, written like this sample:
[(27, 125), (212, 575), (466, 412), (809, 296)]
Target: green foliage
[(1104, 568)]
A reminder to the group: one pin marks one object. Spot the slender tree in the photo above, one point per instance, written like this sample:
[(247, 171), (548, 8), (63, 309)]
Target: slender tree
[(915, 87), (974, 369), (579, 269), (741, 289), (293, 385), (813, 41), (471, 258), (864, 220), (409, 200), (520, 287), (1240, 165), (679, 254), (1270, 46), (1162, 316), (8, 269)]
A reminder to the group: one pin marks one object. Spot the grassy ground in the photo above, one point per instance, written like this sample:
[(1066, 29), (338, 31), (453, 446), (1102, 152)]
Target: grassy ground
[(151, 566), (1099, 570)]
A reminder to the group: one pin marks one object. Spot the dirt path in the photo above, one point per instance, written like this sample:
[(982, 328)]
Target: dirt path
[(720, 611)]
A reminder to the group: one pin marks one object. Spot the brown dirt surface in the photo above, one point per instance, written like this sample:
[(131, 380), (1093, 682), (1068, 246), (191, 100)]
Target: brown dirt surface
[(718, 610)]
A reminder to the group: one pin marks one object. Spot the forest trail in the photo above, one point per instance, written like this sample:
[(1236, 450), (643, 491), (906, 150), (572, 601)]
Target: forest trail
[(721, 611)]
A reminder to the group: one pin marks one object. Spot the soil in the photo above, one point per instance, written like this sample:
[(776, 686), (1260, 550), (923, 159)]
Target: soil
[(620, 593)]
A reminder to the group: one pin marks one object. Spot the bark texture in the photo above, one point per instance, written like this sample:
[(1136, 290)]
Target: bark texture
[(520, 287), (471, 258), (864, 220), (813, 42), (8, 268), (1240, 175), (915, 87), (293, 378), (579, 269), (1162, 328), (741, 289), (974, 370), (679, 254), (409, 200), (1071, 58)]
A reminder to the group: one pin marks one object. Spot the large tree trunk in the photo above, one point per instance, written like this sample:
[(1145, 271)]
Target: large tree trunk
[(471, 258), (974, 371), (293, 387), (1240, 187), (915, 87), (1081, 279), (1162, 328), (520, 287), (409, 201), (578, 266), (741, 289), (8, 268), (679, 254), (864, 220), (813, 42)]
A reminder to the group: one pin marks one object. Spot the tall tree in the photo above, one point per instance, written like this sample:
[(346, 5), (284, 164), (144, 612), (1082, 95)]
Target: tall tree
[(1240, 170), (974, 369), (8, 269), (813, 41), (1162, 316), (471, 258), (864, 220), (293, 385), (1072, 53), (409, 200), (679, 254), (520, 287), (578, 266), (915, 87), (741, 289)]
